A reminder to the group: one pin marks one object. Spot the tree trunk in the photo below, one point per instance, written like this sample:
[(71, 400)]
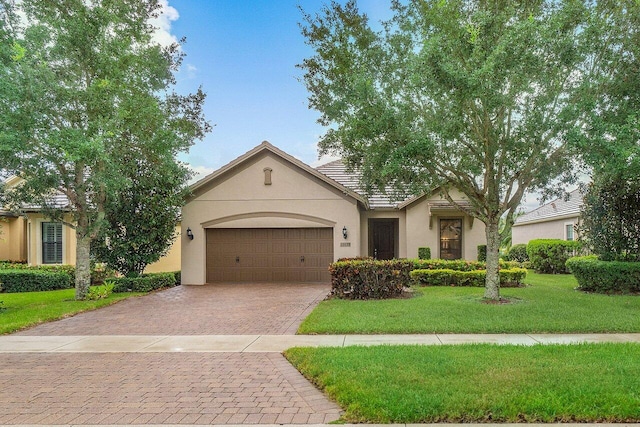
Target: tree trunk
[(492, 284), (83, 265)]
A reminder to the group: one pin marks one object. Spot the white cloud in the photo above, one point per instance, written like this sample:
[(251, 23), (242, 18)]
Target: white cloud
[(192, 70), (199, 172), (162, 23)]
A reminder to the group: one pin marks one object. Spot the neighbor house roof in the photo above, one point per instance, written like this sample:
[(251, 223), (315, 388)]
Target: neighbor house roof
[(56, 200), (557, 209), (337, 171)]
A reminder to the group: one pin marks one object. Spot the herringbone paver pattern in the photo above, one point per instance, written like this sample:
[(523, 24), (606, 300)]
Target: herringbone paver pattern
[(220, 309), (175, 388)]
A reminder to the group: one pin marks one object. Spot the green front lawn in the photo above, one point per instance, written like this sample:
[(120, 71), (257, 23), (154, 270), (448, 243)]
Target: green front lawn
[(26, 309), (478, 383), (550, 304)]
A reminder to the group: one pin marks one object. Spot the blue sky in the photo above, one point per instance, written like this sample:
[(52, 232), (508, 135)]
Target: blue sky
[(244, 55)]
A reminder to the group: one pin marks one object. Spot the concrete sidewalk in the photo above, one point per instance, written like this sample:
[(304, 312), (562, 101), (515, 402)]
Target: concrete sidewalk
[(272, 343)]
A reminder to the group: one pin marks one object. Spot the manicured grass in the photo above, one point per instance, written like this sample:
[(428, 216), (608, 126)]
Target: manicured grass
[(25, 309), (549, 304), (478, 383)]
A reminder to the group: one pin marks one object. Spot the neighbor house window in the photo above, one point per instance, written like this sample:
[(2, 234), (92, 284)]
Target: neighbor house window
[(51, 243), (568, 231)]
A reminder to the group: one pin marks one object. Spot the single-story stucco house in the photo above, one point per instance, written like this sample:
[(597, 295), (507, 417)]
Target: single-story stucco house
[(268, 217), (555, 220), (29, 236)]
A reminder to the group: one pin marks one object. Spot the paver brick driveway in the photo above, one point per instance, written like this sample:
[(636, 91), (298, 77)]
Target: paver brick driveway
[(170, 388), (221, 309)]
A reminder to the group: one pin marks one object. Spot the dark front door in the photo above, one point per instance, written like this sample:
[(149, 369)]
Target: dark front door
[(451, 238), (383, 238)]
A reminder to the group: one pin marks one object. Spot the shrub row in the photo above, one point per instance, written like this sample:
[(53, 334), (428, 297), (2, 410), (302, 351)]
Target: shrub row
[(369, 279), (23, 280), (549, 256), (98, 273), (609, 277), (459, 265), (146, 282), (447, 277), (482, 253)]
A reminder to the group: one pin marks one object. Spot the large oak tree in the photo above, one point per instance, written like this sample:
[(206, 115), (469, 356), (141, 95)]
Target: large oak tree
[(87, 90), (483, 96)]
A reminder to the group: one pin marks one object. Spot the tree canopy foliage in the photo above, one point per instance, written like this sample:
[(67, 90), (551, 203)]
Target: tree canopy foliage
[(489, 97), (610, 224), (85, 92)]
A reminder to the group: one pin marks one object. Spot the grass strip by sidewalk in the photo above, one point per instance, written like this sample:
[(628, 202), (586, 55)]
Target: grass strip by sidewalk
[(478, 383), (26, 309), (550, 304)]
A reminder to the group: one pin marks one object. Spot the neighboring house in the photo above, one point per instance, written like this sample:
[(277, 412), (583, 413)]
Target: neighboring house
[(30, 236), (555, 220), (268, 217)]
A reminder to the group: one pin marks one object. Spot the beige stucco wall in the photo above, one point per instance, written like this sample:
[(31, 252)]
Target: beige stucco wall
[(13, 242), (420, 235), (34, 240), (240, 199), (554, 229), (171, 261)]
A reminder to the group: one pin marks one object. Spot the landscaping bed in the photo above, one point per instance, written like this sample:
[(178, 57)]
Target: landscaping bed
[(478, 383)]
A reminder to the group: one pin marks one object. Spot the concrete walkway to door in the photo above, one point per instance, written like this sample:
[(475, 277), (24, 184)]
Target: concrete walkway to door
[(106, 383)]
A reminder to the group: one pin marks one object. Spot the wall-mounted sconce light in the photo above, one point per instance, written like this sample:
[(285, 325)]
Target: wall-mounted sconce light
[(189, 234), (345, 233)]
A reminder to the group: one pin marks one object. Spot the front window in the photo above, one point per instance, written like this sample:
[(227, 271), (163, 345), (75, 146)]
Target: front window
[(451, 238), (51, 243)]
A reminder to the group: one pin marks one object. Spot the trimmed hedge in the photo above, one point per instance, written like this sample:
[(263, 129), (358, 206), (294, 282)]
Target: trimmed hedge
[(607, 277), (549, 256), (459, 265), (32, 280), (424, 253), (145, 283), (518, 253), (369, 279), (482, 253), (447, 277)]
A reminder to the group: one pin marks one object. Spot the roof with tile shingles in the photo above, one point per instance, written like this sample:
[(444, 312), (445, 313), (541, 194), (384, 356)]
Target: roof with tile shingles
[(337, 171), (561, 207)]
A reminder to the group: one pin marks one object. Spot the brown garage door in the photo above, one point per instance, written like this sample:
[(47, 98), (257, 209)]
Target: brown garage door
[(269, 254)]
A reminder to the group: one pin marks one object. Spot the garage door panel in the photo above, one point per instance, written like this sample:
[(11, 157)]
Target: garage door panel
[(269, 255)]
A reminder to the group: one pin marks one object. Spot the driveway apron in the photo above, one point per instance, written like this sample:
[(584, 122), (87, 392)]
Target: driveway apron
[(170, 388)]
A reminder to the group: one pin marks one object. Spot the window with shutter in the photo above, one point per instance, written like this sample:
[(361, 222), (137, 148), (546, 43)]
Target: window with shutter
[(51, 243)]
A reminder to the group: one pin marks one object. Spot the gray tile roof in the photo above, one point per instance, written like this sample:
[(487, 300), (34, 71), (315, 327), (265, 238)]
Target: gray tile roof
[(337, 171), (558, 208)]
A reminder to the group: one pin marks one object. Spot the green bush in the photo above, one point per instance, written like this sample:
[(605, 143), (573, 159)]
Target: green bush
[(369, 279), (482, 253), (461, 265), (178, 277), (144, 283), (607, 277), (550, 256), (31, 280), (518, 253), (447, 277), (424, 253)]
